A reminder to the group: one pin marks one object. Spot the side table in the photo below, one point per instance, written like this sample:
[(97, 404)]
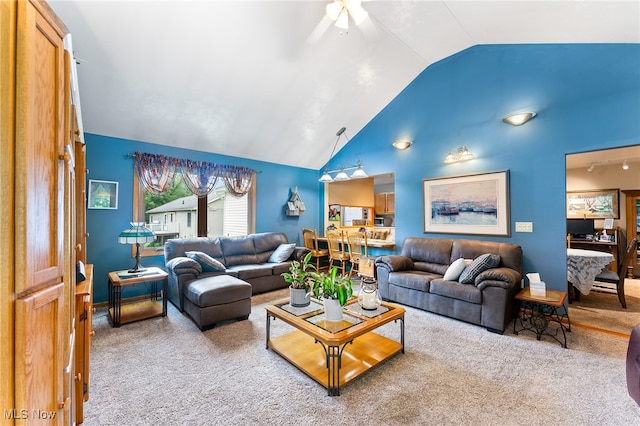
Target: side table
[(537, 312), (135, 311)]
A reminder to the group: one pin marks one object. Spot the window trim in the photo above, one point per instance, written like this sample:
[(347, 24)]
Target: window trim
[(138, 213)]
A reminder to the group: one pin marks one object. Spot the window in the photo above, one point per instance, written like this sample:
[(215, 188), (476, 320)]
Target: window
[(170, 214)]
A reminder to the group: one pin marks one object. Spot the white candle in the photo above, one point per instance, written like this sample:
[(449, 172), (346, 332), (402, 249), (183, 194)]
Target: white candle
[(369, 300)]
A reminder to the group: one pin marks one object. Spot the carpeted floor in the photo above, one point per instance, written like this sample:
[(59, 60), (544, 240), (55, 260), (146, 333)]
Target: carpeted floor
[(603, 311), (164, 370)]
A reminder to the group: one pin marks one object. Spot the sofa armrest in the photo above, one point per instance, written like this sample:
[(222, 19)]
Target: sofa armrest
[(498, 277), (299, 253), (184, 265), (394, 263)]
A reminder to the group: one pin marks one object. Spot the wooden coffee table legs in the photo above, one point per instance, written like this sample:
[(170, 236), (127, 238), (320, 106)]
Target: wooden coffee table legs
[(333, 366)]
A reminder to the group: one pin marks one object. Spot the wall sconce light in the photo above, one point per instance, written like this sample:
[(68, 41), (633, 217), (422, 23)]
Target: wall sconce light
[(461, 154), (358, 173), (519, 119), (625, 166), (402, 144)]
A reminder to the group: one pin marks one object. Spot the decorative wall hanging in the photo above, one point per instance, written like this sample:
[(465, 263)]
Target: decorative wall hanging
[(469, 204), (295, 206), (103, 194)]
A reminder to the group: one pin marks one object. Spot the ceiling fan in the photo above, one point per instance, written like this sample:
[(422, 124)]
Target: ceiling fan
[(338, 12)]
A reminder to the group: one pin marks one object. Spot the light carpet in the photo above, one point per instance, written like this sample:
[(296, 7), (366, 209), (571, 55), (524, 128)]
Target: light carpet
[(165, 371), (603, 310)]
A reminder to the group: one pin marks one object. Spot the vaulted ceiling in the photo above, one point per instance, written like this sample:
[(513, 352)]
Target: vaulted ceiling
[(248, 79)]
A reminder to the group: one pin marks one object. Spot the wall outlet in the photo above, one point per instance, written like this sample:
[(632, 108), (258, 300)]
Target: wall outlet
[(524, 226)]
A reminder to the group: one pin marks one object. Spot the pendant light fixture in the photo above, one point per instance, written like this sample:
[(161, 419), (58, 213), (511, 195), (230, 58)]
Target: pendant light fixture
[(358, 173)]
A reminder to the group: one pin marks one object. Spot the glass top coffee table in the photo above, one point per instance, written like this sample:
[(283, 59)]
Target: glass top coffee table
[(334, 353)]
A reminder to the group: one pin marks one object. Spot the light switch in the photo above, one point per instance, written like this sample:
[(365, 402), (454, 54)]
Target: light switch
[(524, 226)]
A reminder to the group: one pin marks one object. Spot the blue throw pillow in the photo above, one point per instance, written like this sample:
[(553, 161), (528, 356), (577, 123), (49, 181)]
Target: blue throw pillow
[(208, 263), (282, 253), (479, 264)]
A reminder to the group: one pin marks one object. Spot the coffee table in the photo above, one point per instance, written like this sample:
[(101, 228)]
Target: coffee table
[(334, 353)]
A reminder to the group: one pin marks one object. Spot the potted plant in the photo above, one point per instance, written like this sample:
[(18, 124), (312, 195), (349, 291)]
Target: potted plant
[(300, 279), (334, 289)]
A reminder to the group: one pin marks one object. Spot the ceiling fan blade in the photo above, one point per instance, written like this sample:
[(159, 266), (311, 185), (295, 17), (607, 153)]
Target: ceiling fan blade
[(319, 30)]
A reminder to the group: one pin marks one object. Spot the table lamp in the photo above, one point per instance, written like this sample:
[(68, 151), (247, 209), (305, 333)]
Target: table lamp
[(138, 233)]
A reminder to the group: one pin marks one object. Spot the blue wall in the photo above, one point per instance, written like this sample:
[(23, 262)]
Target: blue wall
[(587, 98), (107, 160)]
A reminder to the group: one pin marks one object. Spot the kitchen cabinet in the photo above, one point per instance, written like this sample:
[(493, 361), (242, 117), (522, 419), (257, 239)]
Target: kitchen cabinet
[(385, 203)]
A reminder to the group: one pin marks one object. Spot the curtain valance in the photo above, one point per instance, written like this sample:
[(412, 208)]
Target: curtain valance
[(156, 173)]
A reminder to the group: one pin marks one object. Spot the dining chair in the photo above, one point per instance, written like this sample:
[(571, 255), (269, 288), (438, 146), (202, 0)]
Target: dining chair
[(338, 250), (358, 248), (310, 238), (618, 277)]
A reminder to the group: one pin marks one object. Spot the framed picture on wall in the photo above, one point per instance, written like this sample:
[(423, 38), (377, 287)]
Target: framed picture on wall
[(469, 204), (593, 204), (103, 194), (334, 212)]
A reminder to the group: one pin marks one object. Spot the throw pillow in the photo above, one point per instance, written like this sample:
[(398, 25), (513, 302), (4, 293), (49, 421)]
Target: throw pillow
[(454, 270), (208, 263), (480, 263), (282, 253)]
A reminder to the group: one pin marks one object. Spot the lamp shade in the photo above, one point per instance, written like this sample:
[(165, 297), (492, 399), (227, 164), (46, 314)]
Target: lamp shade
[(343, 20), (341, 176), (138, 233), (326, 178), (359, 174), (464, 154)]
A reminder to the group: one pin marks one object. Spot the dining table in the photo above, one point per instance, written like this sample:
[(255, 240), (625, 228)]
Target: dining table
[(584, 265)]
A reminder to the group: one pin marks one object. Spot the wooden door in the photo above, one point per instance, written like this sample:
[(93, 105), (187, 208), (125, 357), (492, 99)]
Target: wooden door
[(42, 263), (633, 227), (40, 139), (7, 206), (39, 356)]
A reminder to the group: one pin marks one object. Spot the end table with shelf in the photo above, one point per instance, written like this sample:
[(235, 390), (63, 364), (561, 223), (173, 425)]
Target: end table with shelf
[(120, 313), (537, 312)]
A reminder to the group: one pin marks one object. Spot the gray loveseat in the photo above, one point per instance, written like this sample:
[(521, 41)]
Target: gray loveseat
[(415, 278), (245, 258)]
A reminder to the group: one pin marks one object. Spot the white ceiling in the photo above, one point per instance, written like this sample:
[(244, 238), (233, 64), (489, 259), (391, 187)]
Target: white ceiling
[(606, 157), (240, 78)]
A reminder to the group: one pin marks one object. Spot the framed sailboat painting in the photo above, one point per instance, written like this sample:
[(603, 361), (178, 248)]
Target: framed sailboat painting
[(468, 204)]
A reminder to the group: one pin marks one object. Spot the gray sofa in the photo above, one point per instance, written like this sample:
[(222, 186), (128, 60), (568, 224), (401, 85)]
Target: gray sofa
[(245, 258), (415, 278)]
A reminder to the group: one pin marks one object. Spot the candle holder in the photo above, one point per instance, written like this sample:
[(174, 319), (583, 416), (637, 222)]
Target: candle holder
[(368, 297)]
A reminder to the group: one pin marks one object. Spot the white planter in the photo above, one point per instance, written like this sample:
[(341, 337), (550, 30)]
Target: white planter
[(298, 297), (332, 310)]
